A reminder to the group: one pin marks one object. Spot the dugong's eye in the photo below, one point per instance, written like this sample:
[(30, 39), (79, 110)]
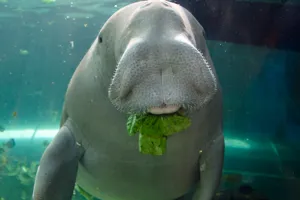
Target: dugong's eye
[(99, 39)]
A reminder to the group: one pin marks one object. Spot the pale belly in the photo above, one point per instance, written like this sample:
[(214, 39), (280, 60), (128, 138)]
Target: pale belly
[(112, 167), (139, 177)]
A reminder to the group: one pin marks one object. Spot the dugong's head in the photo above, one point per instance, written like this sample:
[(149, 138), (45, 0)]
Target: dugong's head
[(161, 67)]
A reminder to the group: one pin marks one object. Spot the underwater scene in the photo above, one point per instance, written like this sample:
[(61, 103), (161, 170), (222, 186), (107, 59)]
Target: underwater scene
[(255, 48)]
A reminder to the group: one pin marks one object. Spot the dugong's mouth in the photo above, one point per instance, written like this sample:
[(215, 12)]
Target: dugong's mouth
[(164, 109)]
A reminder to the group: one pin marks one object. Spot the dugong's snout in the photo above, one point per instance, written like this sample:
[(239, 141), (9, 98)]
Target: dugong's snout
[(162, 77)]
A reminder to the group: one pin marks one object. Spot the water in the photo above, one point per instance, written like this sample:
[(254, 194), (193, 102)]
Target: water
[(41, 44)]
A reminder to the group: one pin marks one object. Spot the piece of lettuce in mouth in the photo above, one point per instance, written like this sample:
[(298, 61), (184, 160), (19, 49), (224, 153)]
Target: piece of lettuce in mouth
[(154, 130)]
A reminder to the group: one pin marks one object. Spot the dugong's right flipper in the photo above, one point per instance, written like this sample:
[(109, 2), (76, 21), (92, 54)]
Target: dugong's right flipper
[(56, 175), (211, 164)]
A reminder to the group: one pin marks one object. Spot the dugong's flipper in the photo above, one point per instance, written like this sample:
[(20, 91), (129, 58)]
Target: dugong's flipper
[(56, 175), (211, 164)]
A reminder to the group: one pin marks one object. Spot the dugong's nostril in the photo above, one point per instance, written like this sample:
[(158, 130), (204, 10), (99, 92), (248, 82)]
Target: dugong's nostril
[(163, 2), (145, 5)]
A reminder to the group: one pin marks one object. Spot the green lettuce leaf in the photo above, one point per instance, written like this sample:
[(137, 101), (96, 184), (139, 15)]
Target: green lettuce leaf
[(134, 123), (152, 145), (173, 124), (154, 130)]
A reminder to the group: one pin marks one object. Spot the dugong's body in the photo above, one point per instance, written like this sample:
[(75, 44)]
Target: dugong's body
[(149, 54)]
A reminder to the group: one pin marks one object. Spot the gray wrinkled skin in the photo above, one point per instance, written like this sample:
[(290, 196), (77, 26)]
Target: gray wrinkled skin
[(152, 52), (159, 61)]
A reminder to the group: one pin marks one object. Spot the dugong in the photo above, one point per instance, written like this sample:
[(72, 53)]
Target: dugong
[(149, 56)]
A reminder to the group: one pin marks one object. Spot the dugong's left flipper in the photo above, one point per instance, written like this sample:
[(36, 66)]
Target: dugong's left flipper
[(211, 164), (56, 175)]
